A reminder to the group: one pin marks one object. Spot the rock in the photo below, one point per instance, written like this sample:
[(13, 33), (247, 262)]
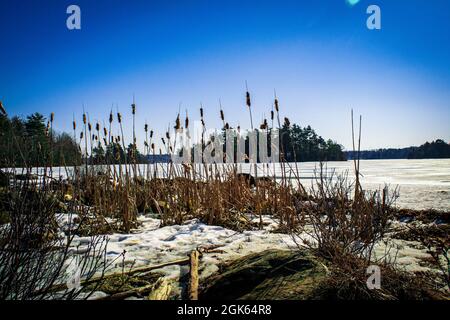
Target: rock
[(271, 274)]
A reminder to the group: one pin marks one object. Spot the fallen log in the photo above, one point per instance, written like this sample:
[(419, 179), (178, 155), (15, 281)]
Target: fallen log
[(129, 293), (63, 286)]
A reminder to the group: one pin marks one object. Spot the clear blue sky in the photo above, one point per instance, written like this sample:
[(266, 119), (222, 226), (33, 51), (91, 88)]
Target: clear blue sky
[(317, 54)]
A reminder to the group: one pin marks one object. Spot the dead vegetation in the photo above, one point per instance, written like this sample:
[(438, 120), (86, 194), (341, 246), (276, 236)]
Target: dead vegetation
[(343, 222)]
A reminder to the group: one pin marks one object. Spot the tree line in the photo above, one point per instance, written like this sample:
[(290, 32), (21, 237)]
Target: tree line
[(437, 149), (33, 142)]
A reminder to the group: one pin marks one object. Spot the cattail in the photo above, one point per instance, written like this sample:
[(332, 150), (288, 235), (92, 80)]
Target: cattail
[(153, 146), (263, 125), (248, 101), (93, 137), (105, 142), (111, 117), (118, 138), (52, 117), (105, 132), (186, 122), (227, 126), (84, 118), (287, 122), (163, 141), (119, 117), (222, 116), (272, 115), (81, 135), (74, 124), (177, 123), (146, 144), (276, 105), (2, 109), (146, 127), (168, 135), (201, 112), (203, 123), (97, 126), (133, 108), (89, 126), (151, 134)]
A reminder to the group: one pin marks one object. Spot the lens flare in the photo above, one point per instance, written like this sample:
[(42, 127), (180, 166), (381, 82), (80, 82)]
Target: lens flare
[(352, 2)]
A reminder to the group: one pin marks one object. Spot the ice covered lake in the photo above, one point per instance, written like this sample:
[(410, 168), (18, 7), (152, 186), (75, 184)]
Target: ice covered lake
[(423, 184)]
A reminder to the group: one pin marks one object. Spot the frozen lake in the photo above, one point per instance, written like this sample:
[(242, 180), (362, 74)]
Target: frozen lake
[(423, 184)]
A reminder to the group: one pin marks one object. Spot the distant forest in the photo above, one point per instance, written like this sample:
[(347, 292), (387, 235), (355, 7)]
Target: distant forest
[(438, 149), (33, 142)]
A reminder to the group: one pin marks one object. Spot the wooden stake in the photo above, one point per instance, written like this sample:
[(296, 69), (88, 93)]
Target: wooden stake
[(193, 284)]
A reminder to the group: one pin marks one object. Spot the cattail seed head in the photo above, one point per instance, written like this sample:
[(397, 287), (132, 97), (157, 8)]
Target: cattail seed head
[(97, 126), (105, 142), (177, 123), (168, 135), (81, 135), (264, 125), (133, 109), (151, 134), (276, 105), (287, 122), (201, 112), (111, 117), (84, 118), (105, 132), (227, 126), (272, 114), (52, 116), (222, 116), (146, 127), (163, 141), (74, 124), (186, 122), (153, 146), (119, 117), (248, 101)]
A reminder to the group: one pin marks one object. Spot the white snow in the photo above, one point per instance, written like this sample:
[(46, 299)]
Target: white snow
[(151, 245)]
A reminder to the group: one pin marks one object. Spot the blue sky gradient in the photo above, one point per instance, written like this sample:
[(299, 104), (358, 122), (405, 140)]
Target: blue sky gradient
[(318, 55)]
